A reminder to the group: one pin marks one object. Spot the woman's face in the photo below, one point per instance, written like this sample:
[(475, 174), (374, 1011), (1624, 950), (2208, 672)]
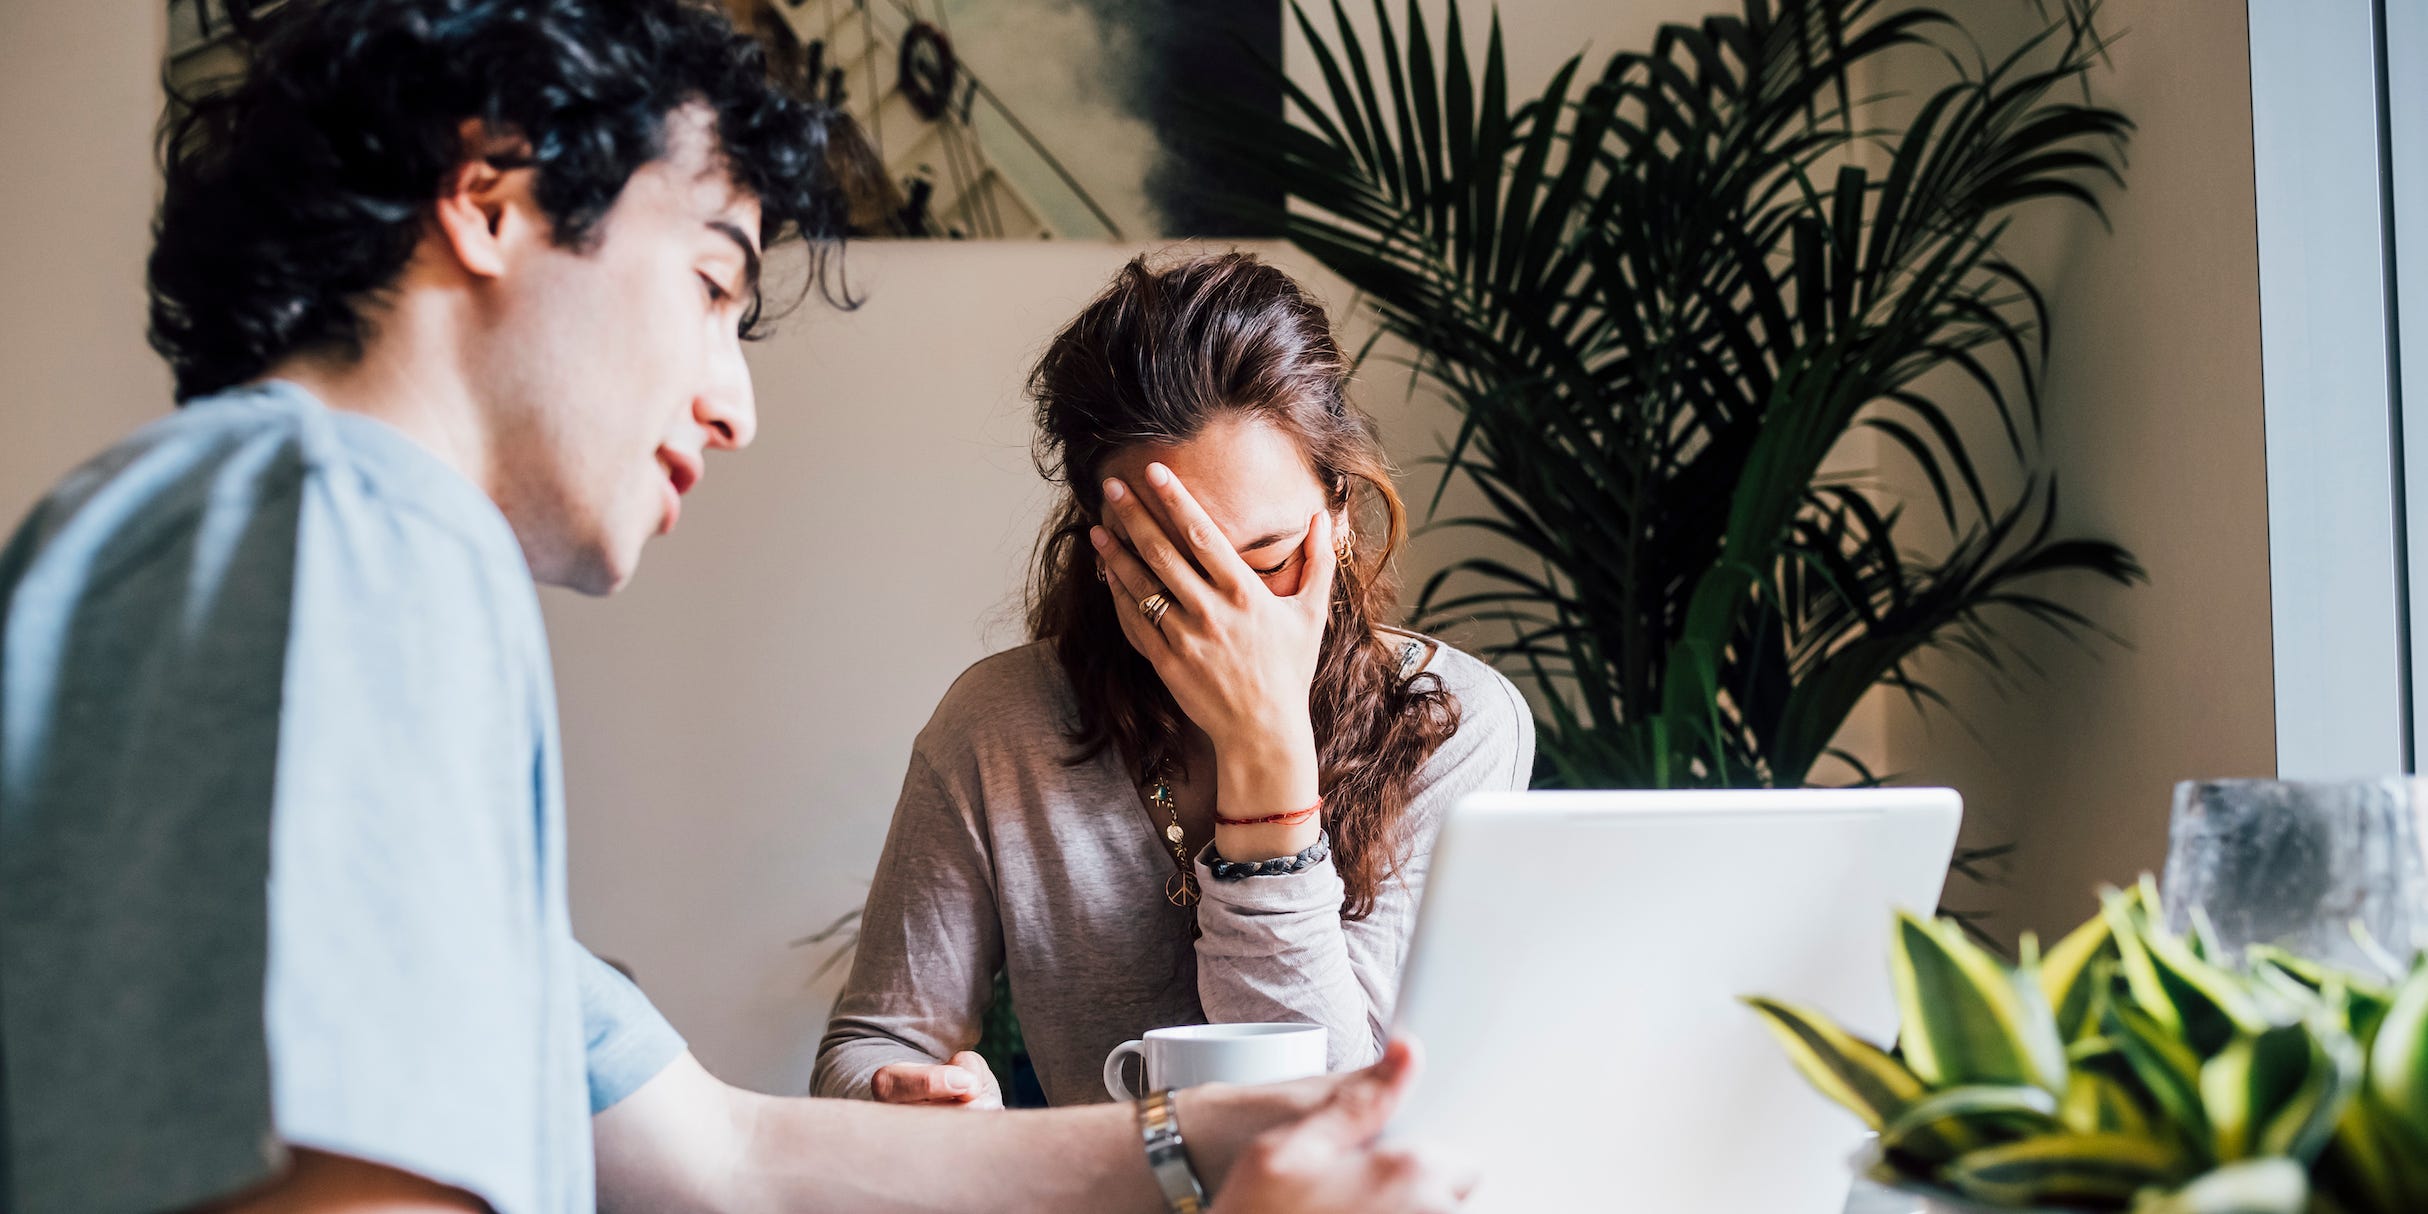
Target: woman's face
[(1252, 479)]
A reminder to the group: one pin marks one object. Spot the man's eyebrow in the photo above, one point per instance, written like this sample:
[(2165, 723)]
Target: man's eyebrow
[(750, 254)]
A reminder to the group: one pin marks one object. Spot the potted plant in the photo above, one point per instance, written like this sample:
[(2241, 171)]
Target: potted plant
[(1663, 297), (2128, 1068)]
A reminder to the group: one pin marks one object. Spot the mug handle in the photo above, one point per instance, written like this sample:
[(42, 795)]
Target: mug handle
[(1114, 1085)]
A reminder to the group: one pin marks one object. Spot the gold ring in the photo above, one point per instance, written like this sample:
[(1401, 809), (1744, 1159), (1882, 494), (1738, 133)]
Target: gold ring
[(1153, 606)]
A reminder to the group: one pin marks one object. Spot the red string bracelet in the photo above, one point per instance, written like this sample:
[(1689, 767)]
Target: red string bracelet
[(1292, 818)]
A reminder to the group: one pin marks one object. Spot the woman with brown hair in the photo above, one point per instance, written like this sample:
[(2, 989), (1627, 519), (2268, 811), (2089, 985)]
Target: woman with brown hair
[(1205, 791)]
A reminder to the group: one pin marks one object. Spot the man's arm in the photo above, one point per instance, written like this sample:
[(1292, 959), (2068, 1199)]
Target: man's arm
[(687, 1142)]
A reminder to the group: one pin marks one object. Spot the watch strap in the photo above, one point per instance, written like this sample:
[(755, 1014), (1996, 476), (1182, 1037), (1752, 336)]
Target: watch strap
[(1167, 1155)]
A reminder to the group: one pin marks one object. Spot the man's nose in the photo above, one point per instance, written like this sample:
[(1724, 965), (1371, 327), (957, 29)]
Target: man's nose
[(728, 409)]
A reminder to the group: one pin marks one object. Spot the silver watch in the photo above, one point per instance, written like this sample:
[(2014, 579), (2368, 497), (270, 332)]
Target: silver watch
[(1167, 1155)]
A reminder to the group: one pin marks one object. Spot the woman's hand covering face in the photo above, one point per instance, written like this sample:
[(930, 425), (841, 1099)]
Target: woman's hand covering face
[(1238, 658)]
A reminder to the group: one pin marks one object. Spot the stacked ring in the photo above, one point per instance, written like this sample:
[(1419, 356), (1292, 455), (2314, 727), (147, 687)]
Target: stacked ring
[(1153, 606)]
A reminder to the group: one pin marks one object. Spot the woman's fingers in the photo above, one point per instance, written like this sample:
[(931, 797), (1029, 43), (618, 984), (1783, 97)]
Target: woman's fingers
[(924, 1083), (989, 1094), (1322, 563), (1205, 541), (1120, 562), (1128, 582), (1128, 519)]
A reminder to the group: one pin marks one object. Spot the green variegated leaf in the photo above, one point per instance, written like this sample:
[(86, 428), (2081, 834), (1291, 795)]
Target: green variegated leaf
[(2309, 973), (2368, 1166), (2165, 1069), (2357, 1002), (1852, 1072), (2388, 965), (2067, 1169), (2362, 1010), (1966, 1019), (2074, 981), (2245, 1082), (2036, 1020), (2258, 1186), (2279, 1092), (2096, 1102), (2203, 1004), (2202, 940), (1949, 1123), (2301, 1128), (2398, 1057), (2381, 1145), (2281, 998)]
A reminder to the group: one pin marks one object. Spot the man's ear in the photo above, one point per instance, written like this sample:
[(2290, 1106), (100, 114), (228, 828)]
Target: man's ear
[(485, 204)]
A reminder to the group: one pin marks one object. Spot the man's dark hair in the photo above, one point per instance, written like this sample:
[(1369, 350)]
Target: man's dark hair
[(299, 190)]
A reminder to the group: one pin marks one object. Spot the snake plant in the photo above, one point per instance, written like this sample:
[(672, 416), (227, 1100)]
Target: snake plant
[(2130, 1068)]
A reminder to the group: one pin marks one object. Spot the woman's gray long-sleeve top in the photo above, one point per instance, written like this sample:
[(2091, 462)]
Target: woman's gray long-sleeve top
[(1004, 855)]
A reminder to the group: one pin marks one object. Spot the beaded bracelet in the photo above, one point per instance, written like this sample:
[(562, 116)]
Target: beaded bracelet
[(1279, 866)]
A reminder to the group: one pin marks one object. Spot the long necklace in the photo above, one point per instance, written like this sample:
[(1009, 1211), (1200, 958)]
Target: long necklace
[(1181, 889)]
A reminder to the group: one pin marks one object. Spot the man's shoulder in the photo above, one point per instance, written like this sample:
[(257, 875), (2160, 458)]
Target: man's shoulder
[(234, 469), (226, 453)]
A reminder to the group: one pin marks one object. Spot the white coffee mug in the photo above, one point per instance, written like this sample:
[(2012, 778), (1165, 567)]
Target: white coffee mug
[(1217, 1053)]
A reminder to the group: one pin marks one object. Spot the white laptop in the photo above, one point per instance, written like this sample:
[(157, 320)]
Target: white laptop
[(1575, 979)]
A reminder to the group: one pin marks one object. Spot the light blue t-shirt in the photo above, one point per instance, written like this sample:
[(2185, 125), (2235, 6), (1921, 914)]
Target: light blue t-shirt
[(282, 845)]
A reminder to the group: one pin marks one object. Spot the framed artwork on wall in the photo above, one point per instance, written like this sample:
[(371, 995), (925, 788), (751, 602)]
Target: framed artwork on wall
[(1027, 119), (971, 119)]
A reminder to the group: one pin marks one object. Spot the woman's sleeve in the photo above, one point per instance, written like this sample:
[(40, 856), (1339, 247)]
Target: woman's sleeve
[(930, 943), (1277, 949)]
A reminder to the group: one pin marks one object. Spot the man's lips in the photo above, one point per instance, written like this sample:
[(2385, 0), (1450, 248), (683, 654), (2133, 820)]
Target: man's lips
[(682, 472)]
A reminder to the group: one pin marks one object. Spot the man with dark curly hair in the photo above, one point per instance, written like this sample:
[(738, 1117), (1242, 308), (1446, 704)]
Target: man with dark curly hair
[(454, 292)]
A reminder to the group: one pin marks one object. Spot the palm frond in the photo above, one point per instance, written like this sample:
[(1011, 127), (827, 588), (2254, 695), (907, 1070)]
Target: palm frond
[(1661, 296)]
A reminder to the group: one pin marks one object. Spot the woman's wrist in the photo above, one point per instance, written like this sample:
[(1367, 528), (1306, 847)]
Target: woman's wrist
[(1264, 842), (1262, 777), (1224, 869), (1276, 762)]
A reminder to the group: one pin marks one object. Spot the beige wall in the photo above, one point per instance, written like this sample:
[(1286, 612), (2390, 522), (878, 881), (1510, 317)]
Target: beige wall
[(79, 90), (736, 724), (738, 720), (2154, 426)]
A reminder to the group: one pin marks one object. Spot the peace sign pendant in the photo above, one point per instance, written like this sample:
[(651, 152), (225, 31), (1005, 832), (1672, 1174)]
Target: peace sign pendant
[(1181, 889)]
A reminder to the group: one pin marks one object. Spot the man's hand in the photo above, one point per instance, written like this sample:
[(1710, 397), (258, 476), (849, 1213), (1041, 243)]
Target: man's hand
[(965, 1082), (1328, 1163)]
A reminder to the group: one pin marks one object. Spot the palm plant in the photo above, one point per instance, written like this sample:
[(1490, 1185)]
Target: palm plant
[(1662, 299)]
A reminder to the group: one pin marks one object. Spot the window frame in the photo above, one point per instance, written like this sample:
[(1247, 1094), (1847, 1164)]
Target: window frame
[(2344, 535)]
